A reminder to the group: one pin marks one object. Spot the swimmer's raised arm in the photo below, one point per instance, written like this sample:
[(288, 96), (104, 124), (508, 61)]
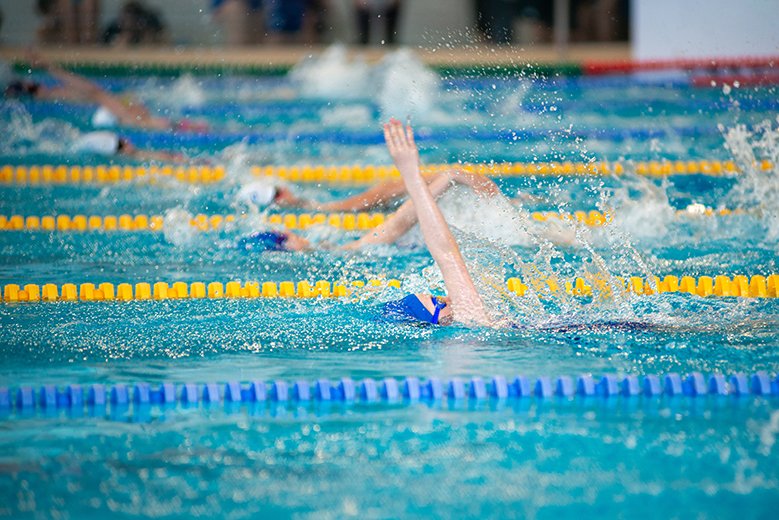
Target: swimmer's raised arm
[(385, 192), (467, 305), (71, 81), (79, 87), (480, 184), (401, 220)]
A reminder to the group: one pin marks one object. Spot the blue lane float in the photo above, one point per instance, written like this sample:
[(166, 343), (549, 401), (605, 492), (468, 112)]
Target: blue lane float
[(310, 108), (622, 107), (28, 400), (148, 139)]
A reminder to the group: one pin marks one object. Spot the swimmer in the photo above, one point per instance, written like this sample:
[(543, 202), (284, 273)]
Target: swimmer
[(394, 227), (108, 143), (261, 194), (388, 193), (463, 304), (112, 111)]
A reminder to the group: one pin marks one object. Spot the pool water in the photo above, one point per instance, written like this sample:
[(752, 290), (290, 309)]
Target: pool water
[(561, 457)]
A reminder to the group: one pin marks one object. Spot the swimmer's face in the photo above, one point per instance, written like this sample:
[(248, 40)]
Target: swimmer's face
[(125, 146), (445, 316)]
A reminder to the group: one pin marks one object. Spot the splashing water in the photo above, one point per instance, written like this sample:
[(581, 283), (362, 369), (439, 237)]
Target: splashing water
[(405, 86), (177, 227), (23, 135), (640, 208), (332, 75), (756, 187), (401, 84), (186, 91)]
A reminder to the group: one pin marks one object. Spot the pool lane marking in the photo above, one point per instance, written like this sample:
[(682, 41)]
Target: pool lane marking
[(125, 398), (345, 221), (300, 221), (595, 286), (352, 174)]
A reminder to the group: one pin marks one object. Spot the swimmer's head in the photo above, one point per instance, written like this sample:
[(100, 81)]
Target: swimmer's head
[(259, 193), (410, 309), (22, 89)]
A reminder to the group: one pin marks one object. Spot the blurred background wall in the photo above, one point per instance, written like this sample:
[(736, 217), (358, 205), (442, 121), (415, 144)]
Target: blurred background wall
[(190, 22), (657, 29), (664, 29)]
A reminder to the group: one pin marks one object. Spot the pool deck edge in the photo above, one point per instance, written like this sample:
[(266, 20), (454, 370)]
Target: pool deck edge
[(285, 56)]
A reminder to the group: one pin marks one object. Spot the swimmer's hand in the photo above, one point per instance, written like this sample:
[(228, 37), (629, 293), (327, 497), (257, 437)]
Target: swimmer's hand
[(401, 146)]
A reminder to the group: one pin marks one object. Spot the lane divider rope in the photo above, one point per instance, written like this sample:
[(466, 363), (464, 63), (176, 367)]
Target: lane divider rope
[(346, 221), (741, 286), (102, 64), (49, 399), (300, 221), (204, 174), (126, 222), (105, 174), (357, 137), (369, 173), (309, 108)]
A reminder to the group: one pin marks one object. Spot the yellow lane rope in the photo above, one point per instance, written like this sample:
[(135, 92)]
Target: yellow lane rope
[(373, 173), (350, 174), (723, 286), (126, 222), (346, 221)]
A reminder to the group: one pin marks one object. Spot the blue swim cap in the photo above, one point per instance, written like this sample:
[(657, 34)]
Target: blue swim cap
[(411, 309), (263, 241)]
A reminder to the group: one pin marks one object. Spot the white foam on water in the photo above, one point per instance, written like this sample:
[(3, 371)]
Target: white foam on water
[(21, 134), (186, 91), (353, 116), (177, 228), (183, 92), (400, 84), (756, 188), (333, 74), (641, 208), (405, 86)]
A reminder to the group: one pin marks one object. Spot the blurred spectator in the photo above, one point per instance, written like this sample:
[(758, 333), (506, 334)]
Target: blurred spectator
[(600, 20), (495, 19), (314, 21), (590, 20), (136, 24), (68, 21), (370, 12), (242, 21), (294, 21)]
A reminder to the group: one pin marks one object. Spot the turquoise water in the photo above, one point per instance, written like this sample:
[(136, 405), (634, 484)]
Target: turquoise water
[(711, 457)]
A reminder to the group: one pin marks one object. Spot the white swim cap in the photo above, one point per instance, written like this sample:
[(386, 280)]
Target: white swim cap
[(101, 143), (259, 193), (103, 118)]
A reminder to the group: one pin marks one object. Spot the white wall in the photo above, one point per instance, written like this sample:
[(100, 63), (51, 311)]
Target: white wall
[(423, 22), (666, 29)]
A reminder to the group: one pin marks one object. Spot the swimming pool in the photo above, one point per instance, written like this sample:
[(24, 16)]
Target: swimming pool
[(630, 449)]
